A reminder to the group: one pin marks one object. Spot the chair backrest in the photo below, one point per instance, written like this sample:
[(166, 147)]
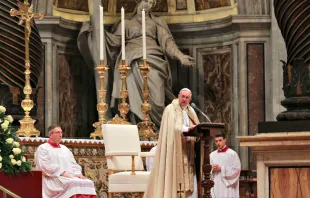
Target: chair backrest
[(122, 138)]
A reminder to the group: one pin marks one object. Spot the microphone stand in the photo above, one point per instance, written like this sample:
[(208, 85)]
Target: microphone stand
[(195, 107)]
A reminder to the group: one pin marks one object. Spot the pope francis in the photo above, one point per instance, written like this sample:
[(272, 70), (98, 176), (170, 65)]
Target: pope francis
[(173, 172)]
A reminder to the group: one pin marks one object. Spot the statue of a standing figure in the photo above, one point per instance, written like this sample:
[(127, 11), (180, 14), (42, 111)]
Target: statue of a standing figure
[(159, 45)]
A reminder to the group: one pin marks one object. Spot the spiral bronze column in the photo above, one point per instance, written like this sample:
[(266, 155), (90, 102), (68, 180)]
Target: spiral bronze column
[(294, 22)]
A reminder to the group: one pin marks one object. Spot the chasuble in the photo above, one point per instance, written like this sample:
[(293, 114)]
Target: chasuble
[(173, 170)]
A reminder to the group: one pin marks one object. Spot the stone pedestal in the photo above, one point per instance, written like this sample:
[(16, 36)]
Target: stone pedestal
[(283, 163)]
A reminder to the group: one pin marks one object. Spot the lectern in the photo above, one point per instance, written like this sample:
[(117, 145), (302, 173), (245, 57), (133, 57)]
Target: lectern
[(204, 131)]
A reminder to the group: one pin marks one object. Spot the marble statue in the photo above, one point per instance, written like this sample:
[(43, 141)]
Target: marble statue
[(160, 45)]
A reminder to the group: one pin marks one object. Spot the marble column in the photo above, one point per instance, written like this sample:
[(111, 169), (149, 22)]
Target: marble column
[(51, 94), (243, 101)]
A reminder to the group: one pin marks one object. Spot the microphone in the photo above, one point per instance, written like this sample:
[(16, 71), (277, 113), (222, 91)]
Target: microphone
[(195, 107)]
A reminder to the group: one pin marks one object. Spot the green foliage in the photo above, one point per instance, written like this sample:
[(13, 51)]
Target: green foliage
[(12, 159)]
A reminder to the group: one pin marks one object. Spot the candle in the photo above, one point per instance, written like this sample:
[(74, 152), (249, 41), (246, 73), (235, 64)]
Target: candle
[(101, 32), (143, 35), (123, 33)]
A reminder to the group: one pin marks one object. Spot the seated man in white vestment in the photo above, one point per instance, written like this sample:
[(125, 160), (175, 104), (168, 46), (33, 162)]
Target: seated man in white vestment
[(62, 176), (173, 171), (226, 169)]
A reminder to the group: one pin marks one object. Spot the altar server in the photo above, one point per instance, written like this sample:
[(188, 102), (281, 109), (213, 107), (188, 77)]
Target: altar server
[(226, 169), (62, 176)]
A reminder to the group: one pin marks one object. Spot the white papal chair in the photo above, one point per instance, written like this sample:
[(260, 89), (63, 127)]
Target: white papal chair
[(123, 153)]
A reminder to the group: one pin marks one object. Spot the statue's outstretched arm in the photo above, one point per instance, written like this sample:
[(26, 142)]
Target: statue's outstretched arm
[(171, 49)]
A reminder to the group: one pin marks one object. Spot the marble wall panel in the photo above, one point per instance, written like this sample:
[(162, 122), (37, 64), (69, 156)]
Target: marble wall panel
[(217, 66), (128, 5), (41, 102), (68, 95), (161, 6), (105, 4), (181, 4), (289, 182), (256, 90), (207, 4), (77, 97), (81, 5)]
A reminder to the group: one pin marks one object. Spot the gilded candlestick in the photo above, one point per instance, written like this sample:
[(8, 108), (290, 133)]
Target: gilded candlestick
[(26, 14), (146, 127), (102, 107), (124, 106)]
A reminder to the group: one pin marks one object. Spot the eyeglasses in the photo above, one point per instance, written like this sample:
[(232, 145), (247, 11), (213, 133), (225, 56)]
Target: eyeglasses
[(185, 97), (57, 132)]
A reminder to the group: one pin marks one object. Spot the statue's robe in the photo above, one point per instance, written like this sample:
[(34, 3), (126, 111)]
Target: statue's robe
[(159, 45)]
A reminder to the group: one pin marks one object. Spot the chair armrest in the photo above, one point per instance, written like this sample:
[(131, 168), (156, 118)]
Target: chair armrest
[(147, 154), (121, 153)]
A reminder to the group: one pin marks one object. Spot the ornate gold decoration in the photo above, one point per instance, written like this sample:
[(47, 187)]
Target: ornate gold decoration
[(146, 127), (117, 120), (123, 107), (102, 107), (26, 16)]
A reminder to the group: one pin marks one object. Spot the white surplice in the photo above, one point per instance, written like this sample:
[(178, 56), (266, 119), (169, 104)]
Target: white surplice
[(226, 182), (53, 162)]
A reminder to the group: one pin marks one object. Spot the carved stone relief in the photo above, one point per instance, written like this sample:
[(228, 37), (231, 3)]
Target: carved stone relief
[(207, 4), (181, 4), (161, 6)]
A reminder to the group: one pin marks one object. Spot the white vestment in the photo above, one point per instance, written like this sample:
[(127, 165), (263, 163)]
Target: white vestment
[(172, 174), (53, 162), (185, 127), (149, 160), (226, 182)]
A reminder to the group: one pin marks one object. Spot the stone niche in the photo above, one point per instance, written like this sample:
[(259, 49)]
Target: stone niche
[(283, 163)]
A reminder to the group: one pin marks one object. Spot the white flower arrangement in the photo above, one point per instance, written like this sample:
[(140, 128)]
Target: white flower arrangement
[(12, 158), (2, 109), (16, 144), (9, 140), (16, 151)]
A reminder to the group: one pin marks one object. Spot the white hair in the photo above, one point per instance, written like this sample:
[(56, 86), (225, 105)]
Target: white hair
[(186, 89)]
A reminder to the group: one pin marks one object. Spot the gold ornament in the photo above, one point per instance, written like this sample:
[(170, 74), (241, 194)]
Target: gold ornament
[(124, 106), (27, 15), (102, 107), (146, 127)]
